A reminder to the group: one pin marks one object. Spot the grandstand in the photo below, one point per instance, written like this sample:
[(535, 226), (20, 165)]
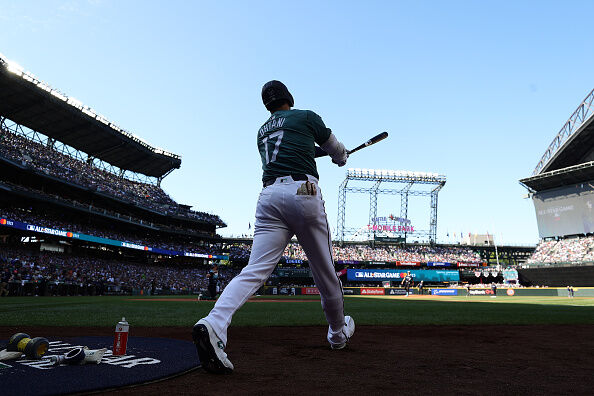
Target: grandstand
[(73, 182), (562, 190)]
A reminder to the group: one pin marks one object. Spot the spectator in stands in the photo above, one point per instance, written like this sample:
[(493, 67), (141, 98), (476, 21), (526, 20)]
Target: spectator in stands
[(4, 279)]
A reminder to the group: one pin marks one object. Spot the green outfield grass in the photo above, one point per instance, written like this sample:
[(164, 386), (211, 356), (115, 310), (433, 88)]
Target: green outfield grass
[(300, 310)]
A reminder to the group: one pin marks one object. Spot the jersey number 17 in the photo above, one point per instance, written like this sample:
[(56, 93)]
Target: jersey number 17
[(279, 137)]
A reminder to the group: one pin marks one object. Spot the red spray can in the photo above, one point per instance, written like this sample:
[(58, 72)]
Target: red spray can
[(120, 340)]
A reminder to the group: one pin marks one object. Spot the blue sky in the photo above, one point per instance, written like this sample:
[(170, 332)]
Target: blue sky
[(475, 90)]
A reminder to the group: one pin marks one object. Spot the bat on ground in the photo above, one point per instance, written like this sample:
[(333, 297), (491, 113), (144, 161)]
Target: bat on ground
[(373, 140)]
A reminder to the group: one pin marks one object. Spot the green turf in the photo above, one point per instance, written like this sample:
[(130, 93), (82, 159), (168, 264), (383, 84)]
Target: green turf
[(106, 311)]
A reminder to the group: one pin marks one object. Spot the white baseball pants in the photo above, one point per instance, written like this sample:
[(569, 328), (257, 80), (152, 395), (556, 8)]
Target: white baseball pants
[(280, 214)]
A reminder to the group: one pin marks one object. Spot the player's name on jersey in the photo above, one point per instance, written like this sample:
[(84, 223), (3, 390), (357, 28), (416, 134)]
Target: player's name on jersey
[(274, 123)]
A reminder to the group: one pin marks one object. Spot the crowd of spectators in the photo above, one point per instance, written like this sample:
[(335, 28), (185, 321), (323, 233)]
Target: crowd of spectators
[(96, 209), (45, 269), (62, 222), (570, 250), (412, 253), (46, 159)]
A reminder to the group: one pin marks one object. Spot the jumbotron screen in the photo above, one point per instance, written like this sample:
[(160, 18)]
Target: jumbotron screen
[(565, 211)]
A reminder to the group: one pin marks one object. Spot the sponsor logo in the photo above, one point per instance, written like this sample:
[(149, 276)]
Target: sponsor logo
[(348, 291), (376, 291), (390, 228), (397, 292), (69, 234), (444, 292), (200, 255), (510, 292), (3, 221), (437, 264), (45, 230), (132, 246), (376, 275), (480, 292), (310, 290), (468, 265), (409, 263)]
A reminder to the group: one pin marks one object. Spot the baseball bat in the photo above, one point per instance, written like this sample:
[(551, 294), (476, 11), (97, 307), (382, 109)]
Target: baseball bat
[(373, 140)]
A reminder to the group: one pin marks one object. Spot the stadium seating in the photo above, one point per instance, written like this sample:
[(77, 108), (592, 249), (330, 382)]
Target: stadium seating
[(570, 250), (58, 274), (421, 254), (65, 222), (51, 162)]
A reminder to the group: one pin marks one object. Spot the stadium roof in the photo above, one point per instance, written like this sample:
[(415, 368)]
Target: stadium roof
[(32, 103), (575, 174), (574, 144)]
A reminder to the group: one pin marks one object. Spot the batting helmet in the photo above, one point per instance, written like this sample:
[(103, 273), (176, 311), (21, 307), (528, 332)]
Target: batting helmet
[(273, 92)]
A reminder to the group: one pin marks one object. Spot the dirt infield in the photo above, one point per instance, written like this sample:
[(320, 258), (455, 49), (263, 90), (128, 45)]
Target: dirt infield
[(535, 359)]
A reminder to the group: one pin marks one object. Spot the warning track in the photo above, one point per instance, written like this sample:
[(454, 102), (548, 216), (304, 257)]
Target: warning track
[(250, 300)]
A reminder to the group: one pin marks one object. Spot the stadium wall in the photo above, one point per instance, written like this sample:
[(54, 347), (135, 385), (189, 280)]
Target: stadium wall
[(441, 291), (557, 276)]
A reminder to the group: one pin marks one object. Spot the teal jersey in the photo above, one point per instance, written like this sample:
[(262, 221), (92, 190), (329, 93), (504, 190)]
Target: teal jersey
[(286, 143)]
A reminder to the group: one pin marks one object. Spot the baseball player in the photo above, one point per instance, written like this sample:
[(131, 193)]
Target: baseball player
[(407, 281), (213, 278), (290, 204)]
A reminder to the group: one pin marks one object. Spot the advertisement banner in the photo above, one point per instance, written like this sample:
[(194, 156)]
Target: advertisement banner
[(348, 262), (438, 264), (373, 291), (408, 263), (464, 265), (444, 292), (397, 275), (396, 292), (104, 241), (292, 272), (310, 290), (480, 292)]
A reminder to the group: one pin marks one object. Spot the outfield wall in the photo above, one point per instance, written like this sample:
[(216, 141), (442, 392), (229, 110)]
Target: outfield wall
[(557, 276), (441, 291)]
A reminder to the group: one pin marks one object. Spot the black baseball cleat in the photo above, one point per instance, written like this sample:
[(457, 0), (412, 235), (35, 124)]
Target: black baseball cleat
[(210, 349)]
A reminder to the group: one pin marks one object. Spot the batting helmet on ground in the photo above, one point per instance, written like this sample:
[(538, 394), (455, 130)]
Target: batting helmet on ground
[(273, 92)]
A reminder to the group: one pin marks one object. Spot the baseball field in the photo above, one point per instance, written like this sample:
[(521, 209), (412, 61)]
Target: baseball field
[(414, 345)]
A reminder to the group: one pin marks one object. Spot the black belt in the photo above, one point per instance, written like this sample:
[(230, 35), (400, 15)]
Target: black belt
[(295, 177)]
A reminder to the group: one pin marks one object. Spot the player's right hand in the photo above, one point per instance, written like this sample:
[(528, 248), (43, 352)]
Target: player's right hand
[(341, 158)]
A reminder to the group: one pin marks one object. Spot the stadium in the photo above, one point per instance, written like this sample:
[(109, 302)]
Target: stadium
[(87, 235), (561, 190)]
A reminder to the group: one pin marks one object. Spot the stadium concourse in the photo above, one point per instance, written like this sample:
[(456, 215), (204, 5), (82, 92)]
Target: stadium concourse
[(562, 189)]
